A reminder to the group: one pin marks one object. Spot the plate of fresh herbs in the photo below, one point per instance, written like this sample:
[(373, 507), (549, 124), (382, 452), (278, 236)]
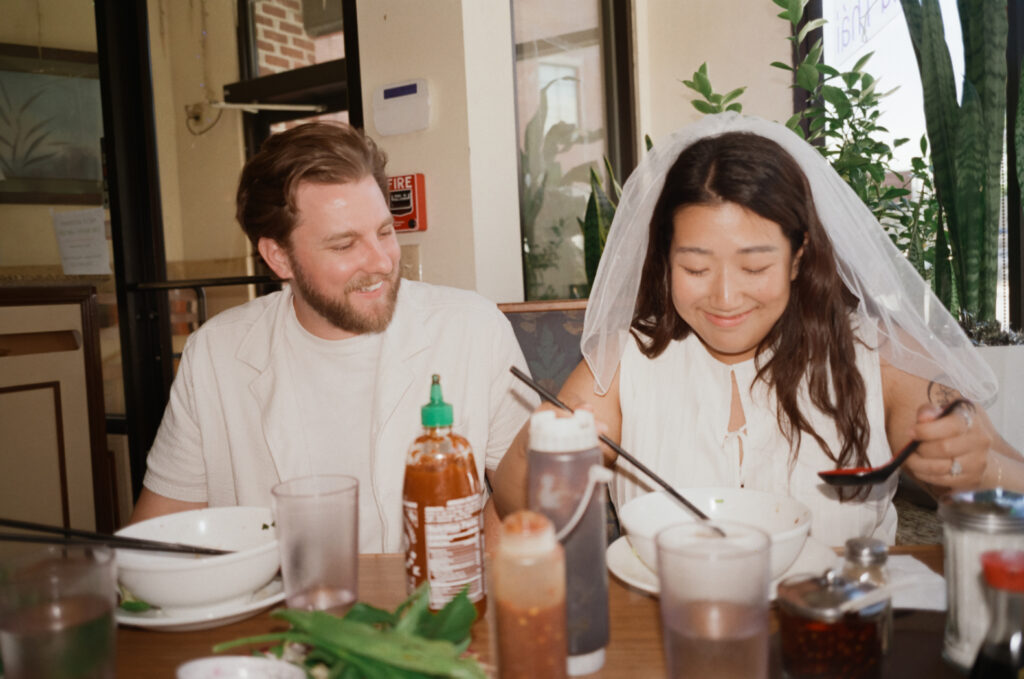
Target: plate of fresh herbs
[(372, 643)]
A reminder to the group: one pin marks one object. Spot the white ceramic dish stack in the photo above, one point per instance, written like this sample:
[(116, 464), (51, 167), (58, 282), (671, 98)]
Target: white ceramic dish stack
[(185, 585)]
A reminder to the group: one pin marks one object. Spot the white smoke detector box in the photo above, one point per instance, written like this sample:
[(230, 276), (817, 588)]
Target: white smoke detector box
[(401, 107)]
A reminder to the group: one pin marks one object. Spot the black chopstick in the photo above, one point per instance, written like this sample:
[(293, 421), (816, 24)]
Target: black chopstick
[(548, 396), (74, 536)]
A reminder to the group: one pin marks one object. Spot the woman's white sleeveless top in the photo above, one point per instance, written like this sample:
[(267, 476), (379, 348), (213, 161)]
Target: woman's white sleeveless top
[(675, 418)]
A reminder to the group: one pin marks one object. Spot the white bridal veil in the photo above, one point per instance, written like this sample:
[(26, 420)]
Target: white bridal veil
[(915, 331)]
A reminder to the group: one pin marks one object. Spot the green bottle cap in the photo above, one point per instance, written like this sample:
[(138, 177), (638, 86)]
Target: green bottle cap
[(437, 413)]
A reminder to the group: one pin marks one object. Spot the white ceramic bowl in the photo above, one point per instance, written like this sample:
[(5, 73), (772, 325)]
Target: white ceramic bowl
[(177, 582), (787, 521), (239, 667)]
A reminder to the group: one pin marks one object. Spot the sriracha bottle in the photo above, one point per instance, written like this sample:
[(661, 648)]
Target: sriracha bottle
[(443, 510)]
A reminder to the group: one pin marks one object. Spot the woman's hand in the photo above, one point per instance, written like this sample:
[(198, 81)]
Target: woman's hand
[(954, 450)]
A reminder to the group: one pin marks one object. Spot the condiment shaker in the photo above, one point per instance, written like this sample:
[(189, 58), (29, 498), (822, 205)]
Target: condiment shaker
[(442, 501), (1002, 652), (563, 451), (822, 641), (865, 561), (974, 522), (528, 591)]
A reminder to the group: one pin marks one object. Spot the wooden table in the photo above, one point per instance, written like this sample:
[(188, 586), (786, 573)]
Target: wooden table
[(634, 651)]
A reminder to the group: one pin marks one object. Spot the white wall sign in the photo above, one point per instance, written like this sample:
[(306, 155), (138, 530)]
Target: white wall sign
[(82, 241)]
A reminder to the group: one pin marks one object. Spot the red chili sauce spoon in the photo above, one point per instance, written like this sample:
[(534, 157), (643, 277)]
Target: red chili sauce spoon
[(864, 476)]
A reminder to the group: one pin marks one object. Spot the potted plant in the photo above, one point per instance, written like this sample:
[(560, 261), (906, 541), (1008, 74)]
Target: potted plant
[(966, 146)]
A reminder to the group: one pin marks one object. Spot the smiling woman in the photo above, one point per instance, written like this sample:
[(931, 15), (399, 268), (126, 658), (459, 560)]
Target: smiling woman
[(730, 272), (751, 325)]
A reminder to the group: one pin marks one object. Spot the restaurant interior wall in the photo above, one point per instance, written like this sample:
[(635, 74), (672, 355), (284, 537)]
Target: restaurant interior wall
[(468, 152), (738, 39), (193, 53), (28, 245)]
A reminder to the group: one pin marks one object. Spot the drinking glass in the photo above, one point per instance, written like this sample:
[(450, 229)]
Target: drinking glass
[(714, 600), (317, 523), (57, 613)]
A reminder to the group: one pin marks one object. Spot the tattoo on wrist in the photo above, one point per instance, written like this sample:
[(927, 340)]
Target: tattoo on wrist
[(940, 395)]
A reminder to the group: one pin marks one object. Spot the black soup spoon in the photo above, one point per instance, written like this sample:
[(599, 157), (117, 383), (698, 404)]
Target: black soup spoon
[(865, 476)]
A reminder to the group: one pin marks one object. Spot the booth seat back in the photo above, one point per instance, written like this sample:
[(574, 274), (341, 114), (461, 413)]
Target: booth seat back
[(549, 335)]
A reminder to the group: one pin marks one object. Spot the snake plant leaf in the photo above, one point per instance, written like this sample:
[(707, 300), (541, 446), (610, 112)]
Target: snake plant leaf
[(1018, 134), (966, 139), (595, 225), (943, 275), (924, 22), (985, 38), (969, 193), (615, 187)]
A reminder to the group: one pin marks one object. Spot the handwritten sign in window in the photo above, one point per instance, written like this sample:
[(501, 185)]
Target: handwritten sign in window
[(82, 241), (851, 23)]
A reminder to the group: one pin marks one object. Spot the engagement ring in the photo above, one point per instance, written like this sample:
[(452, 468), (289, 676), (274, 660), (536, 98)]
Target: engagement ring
[(955, 469)]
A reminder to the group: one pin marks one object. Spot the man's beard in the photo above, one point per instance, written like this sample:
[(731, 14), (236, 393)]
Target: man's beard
[(339, 312)]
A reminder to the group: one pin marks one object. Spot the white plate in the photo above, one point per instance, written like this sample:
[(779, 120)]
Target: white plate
[(201, 618), (624, 564)]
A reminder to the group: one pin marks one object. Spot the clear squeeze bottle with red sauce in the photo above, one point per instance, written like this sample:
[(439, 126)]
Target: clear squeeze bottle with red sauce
[(528, 597), (565, 472), (443, 510)]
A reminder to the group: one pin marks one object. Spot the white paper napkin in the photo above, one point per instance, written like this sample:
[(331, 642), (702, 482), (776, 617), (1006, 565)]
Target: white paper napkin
[(928, 591)]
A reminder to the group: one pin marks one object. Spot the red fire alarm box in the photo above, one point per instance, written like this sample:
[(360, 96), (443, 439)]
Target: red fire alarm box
[(408, 202)]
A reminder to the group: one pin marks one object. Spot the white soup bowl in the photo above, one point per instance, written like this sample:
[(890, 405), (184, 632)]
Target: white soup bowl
[(179, 582), (786, 520)]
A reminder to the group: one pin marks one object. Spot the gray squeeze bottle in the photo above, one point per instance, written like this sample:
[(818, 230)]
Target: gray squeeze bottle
[(565, 484)]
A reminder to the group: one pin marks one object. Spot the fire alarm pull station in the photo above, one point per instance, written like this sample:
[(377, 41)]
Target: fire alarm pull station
[(408, 202)]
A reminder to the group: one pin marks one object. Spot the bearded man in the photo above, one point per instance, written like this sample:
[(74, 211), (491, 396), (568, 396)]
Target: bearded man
[(328, 375)]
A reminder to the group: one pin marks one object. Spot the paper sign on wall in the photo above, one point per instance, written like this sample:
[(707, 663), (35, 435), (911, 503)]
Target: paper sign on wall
[(82, 241)]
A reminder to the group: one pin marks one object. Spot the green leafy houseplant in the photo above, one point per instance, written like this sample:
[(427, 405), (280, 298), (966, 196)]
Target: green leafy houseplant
[(544, 192), (842, 117), (967, 145)]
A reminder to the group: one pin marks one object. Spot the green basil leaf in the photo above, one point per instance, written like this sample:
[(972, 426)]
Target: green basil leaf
[(371, 615), (452, 622)]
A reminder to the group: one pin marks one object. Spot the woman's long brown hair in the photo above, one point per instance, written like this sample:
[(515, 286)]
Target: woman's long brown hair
[(813, 337)]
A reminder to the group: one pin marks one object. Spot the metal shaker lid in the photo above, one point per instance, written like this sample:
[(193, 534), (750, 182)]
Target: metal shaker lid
[(866, 551), (989, 511), (819, 597)]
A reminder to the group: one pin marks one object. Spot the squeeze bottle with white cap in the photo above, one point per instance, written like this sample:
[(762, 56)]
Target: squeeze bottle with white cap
[(564, 484), (528, 597)]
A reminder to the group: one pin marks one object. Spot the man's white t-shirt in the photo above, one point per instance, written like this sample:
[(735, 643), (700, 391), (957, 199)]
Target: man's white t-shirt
[(339, 376)]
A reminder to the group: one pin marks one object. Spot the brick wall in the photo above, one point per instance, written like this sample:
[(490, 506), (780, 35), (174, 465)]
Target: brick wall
[(281, 41)]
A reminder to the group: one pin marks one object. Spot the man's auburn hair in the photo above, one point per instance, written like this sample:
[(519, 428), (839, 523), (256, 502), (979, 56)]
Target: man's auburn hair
[(321, 152)]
